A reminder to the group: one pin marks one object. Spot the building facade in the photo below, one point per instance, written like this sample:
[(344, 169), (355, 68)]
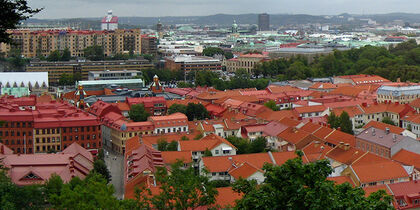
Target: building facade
[(113, 75), (56, 69), (42, 43), (402, 95), (245, 61), (188, 63), (263, 22)]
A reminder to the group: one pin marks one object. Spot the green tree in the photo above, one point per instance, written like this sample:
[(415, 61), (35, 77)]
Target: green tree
[(173, 146), (198, 136), (137, 113), (388, 120), (66, 79), (162, 144), (271, 105), (66, 55), (184, 138), (180, 189), (345, 123), (258, 145), (228, 55), (54, 56), (99, 167), (295, 185), (94, 53), (211, 51), (91, 193), (333, 120), (196, 112), (207, 153), (174, 108), (13, 12), (53, 186)]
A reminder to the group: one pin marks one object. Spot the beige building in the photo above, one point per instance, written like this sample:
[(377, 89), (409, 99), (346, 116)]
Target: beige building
[(36, 43), (246, 61)]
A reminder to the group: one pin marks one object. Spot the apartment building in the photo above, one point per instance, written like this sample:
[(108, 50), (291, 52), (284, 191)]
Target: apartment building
[(37, 43)]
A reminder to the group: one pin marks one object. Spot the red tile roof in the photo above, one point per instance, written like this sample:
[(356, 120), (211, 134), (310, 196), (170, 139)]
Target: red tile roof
[(208, 142), (408, 158), (171, 157), (310, 109), (341, 180), (226, 197), (383, 126), (244, 171)]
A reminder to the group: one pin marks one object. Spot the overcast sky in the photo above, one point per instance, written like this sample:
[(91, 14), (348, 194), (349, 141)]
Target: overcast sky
[(154, 8)]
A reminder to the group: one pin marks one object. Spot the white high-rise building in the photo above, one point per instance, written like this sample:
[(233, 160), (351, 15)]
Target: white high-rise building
[(109, 22)]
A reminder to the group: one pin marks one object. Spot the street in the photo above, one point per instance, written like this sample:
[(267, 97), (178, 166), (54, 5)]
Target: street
[(114, 162)]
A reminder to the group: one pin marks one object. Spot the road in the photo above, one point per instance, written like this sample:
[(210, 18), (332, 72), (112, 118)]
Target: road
[(114, 162)]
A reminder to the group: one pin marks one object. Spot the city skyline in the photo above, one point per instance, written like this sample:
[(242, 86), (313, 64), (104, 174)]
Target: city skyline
[(78, 8)]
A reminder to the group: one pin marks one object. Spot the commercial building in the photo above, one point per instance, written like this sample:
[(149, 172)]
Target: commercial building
[(245, 61), (43, 42), (83, 67), (402, 95), (32, 127), (263, 22), (101, 84), (113, 75), (189, 63)]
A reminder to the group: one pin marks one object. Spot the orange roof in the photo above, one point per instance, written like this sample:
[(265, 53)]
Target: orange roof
[(244, 171), (311, 127), (390, 107), (171, 157), (208, 142), (132, 144), (270, 115), (352, 111), (321, 85), (341, 180), (323, 132), (293, 135), (383, 126), (310, 109), (352, 91), (123, 106), (185, 102), (415, 103), (226, 197), (338, 136), (223, 164), (386, 170), (407, 158), (152, 140), (345, 156), (315, 151), (371, 189), (281, 89)]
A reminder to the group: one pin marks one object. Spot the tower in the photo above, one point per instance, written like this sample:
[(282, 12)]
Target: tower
[(234, 27), (263, 22), (156, 87), (109, 22)]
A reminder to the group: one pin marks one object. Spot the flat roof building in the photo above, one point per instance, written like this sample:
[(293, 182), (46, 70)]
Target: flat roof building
[(189, 63), (113, 75), (101, 84)]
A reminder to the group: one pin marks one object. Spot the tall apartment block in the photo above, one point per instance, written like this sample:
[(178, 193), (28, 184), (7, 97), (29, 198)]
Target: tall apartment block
[(263, 22), (37, 43)]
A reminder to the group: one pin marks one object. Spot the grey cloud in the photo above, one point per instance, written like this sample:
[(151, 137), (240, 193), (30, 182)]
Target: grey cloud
[(97, 8)]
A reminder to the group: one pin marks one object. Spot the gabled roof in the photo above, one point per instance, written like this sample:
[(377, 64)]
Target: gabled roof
[(171, 157), (345, 156), (386, 170), (226, 197), (310, 109), (293, 135), (315, 151), (408, 158), (270, 115), (244, 171), (338, 136), (208, 142)]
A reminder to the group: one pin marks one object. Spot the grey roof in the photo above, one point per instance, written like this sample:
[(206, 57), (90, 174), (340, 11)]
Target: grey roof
[(24, 77), (380, 137), (398, 91)]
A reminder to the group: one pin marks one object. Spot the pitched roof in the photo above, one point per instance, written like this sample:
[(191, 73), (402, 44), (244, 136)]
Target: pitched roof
[(386, 170), (383, 126), (341, 180), (338, 136), (171, 157), (208, 142), (310, 109), (406, 157), (244, 171), (226, 197), (345, 156), (371, 189), (315, 151)]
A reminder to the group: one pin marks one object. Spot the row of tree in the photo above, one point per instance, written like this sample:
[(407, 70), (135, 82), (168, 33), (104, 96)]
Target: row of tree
[(401, 61), (343, 122), (245, 146), (242, 79)]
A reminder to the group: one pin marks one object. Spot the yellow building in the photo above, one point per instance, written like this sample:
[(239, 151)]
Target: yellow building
[(245, 61), (36, 43)]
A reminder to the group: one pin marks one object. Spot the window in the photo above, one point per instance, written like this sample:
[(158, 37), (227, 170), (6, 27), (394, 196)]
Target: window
[(216, 151), (213, 174)]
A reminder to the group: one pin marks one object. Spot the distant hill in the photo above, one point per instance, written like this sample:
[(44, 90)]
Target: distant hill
[(227, 20)]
